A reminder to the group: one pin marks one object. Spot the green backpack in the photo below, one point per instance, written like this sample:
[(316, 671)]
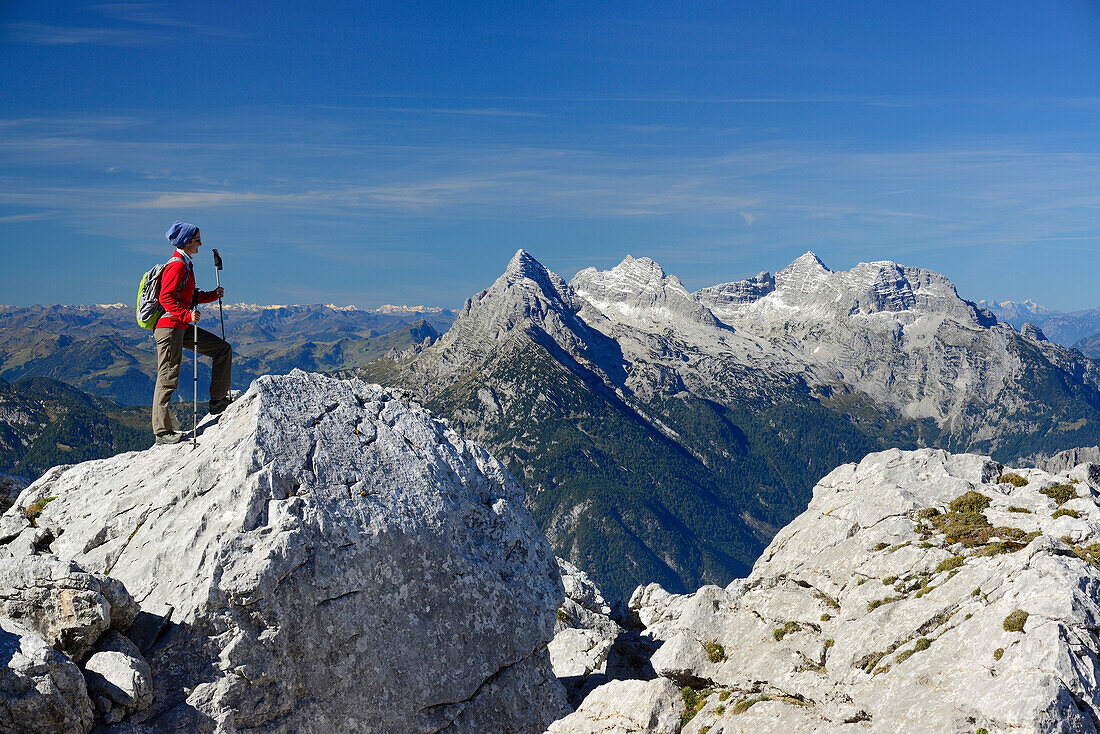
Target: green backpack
[(149, 309)]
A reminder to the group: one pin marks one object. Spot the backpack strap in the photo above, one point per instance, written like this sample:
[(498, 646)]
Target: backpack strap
[(190, 268)]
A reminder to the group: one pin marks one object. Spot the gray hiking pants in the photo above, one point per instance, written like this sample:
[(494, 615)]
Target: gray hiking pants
[(170, 345)]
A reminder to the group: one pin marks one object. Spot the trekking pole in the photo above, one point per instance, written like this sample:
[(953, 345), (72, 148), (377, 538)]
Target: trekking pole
[(218, 275), (195, 401)]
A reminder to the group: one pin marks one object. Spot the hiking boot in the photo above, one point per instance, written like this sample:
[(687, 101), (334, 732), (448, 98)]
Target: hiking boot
[(218, 406), (173, 437)]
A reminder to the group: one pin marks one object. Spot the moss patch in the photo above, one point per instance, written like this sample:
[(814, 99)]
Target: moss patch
[(34, 509), (964, 522), (785, 630), (1090, 553), (1063, 511), (745, 704), (1015, 621), (949, 563), (1060, 493), (876, 603), (970, 502), (694, 701), (1012, 478), (715, 652)]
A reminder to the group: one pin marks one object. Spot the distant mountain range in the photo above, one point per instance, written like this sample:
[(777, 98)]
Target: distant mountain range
[(1078, 329), (665, 435), (101, 349), (45, 422)]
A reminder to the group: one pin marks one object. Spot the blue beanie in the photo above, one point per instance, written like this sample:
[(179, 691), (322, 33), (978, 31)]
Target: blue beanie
[(180, 233)]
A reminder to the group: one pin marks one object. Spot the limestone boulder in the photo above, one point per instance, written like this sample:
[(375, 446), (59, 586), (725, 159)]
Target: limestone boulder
[(327, 559), (118, 677), (62, 602), (626, 707), (41, 690)]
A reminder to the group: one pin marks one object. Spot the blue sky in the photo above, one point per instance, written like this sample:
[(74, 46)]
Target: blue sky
[(400, 152)]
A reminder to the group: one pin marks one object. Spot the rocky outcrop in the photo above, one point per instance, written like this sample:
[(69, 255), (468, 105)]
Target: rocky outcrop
[(584, 635), (53, 616), (119, 679), (41, 690), (1063, 461), (327, 559), (67, 606), (920, 591)]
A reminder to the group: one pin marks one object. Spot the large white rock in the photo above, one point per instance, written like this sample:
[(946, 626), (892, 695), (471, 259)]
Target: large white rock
[(862, 613), (327, 559), (626, 707), (119, 678), (41, 690)]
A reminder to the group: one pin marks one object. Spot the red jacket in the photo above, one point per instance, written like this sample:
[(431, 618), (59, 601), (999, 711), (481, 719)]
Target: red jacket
[(177, 294)]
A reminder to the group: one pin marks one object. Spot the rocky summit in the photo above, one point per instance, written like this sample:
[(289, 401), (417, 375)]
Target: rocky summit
[(327, 559), (921, 591)]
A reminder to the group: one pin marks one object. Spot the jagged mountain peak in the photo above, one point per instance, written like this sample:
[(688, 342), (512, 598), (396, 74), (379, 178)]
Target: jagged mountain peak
[(526, 289), (640, 267), (867, 288), (803, 271), (808, 259), (638, 292), (527, 298), (524, 265)]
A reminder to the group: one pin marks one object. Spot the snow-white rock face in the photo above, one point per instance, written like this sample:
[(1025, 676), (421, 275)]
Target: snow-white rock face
[(327, 559), (638, 293), (919, 592), (900, 337), (727, 296)]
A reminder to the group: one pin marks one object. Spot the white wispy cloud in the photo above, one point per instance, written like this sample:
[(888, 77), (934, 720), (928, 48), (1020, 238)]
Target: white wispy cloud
[(52, 35), (30, 217), (146, 24), (154, 15), (469, 111), (954, 193)]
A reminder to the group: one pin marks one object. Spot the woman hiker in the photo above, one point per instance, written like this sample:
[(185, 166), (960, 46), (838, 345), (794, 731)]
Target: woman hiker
[(173, 333)]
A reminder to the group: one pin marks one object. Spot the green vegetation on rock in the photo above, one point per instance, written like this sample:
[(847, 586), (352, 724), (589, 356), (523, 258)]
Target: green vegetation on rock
[(1014, 622), (1060, 493)]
